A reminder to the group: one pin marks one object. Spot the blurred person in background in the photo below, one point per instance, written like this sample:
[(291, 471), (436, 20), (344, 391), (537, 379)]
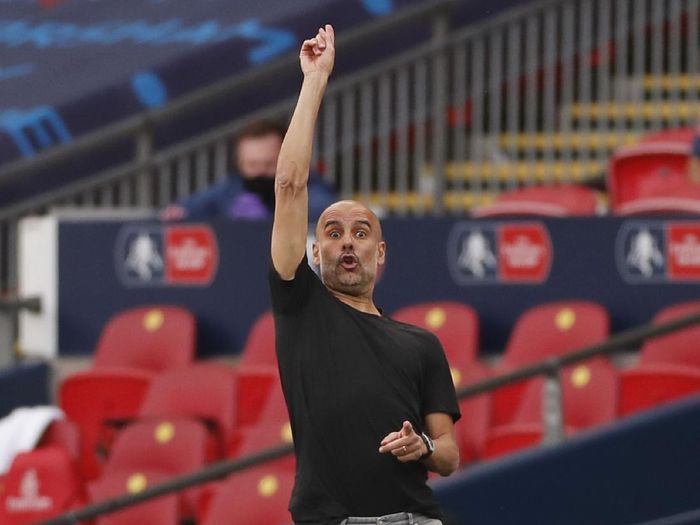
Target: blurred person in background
[(249, 192)]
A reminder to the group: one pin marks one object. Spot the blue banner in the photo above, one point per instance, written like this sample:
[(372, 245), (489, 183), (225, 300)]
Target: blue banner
[(501, 268)]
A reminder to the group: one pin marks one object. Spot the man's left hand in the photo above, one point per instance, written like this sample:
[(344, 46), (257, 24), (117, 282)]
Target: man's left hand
[(405, 444)]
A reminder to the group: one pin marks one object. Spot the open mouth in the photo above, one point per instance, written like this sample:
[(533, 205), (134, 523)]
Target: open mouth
[(348, 261)]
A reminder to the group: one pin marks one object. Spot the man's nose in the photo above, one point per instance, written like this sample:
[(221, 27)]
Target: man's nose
[(347, 241)]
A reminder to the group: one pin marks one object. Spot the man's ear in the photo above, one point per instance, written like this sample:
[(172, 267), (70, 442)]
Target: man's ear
[(381, 252), (316, 254)]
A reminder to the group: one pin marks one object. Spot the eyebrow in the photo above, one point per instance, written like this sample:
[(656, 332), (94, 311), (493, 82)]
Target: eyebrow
[(334, 222)]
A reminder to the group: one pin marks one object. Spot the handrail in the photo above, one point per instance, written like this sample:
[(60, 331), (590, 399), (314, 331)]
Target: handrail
[(131, 126), (33, 304), (626, 339)]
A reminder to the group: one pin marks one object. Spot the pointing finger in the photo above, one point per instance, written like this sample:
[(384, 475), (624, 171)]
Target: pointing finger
[(330, 33)]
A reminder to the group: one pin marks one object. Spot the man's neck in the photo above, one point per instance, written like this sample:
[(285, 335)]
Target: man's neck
[(361, 303)]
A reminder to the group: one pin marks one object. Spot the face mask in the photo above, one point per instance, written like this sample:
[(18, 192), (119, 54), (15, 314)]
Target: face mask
[(262, 186)]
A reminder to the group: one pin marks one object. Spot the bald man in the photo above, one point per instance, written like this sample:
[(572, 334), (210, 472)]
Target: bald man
[(371, 400)]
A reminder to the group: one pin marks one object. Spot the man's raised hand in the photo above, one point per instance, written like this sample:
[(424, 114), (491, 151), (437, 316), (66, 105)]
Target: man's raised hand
[(317, 54)]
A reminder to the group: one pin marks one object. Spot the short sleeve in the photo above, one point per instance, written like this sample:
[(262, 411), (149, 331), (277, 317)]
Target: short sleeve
[(290, 296), (438, 391)]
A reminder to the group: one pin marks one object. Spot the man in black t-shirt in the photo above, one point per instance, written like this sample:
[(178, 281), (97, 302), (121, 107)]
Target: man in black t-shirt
[(371, 400)]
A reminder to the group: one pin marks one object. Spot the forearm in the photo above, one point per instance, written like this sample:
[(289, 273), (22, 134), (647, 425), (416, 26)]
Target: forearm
[(445, 459), (295, 155)]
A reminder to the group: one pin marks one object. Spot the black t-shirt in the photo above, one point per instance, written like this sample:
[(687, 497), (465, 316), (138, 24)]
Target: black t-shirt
[(350, 378)]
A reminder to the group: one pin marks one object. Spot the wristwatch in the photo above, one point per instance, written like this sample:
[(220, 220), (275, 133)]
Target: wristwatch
[(429, 444)]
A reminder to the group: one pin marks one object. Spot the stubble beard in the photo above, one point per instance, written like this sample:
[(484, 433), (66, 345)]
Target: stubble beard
[(336, 278)]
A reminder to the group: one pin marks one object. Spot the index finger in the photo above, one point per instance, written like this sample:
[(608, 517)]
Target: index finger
[(330, 34)]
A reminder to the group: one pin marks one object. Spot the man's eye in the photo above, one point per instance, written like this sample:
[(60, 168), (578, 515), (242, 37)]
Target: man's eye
[(362, 234), (334, 235)]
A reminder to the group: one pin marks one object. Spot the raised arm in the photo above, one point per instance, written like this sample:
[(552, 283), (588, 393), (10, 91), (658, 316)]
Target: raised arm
[(290, 227)]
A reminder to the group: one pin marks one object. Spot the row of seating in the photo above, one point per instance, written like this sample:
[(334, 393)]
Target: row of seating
[(650, 177), (196, 413)]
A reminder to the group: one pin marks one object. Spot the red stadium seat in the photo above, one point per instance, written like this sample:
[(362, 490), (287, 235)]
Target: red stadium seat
[(40, 484), (93, 397), (590, 394), (205, 391), (257, 370), (456, 325), (259, 348), (683, 136), (62, 433), (652, 177), (541, 332), (668, 367), (158, 511), (260, 494), (169, 446), (253, 387), (472, 428), (542, 201), (273, 412), (172, 446), (155, 337)]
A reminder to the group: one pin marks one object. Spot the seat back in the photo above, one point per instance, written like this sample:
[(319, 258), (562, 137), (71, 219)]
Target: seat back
[(680, 347), (155, 338), (159, 511), (542, 201), (40, 484), (259, 348), (646, 170), (62, 433), (553, 329), (204, 390), (455, 324), (174, 446), (260, 494), (471, 430)]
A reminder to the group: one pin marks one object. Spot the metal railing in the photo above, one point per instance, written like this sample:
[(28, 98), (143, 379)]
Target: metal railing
[(540, 94), (553, 422)]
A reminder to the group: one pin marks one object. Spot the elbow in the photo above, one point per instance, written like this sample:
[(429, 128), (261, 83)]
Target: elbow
[(288, 182)]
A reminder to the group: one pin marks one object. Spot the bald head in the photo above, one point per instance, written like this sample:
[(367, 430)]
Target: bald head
[(349, 209)]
